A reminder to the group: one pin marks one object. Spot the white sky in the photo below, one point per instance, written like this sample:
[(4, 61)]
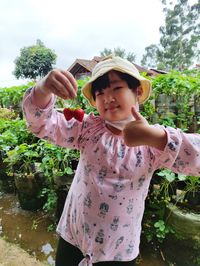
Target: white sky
[(76, 29)]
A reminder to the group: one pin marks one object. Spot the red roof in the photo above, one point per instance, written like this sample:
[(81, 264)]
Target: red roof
[(84, 66), (84, 63)]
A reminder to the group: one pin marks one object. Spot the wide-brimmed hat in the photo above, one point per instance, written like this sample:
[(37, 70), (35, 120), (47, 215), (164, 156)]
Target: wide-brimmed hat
[(122, 65)]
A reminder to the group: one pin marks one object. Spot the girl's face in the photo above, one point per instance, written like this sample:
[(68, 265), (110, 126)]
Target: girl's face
[(114, 102)]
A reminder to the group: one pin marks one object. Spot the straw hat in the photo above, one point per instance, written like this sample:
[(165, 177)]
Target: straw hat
[(116, 63)]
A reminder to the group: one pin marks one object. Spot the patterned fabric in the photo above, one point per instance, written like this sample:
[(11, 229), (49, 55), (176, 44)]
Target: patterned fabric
[(105, 204)]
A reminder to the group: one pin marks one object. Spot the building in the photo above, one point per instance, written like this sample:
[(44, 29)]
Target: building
[(82, 68)]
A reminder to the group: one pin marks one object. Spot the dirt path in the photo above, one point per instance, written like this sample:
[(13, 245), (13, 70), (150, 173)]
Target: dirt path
[(12, 255)]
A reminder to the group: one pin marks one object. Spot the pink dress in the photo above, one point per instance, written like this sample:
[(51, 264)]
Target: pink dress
[(105, 204)]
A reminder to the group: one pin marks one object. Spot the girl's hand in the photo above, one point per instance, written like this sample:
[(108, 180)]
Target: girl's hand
[(58, 82), (139, 132), (136, 132)]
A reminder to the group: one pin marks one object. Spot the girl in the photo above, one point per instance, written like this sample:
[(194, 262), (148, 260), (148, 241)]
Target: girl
[(101, 220)]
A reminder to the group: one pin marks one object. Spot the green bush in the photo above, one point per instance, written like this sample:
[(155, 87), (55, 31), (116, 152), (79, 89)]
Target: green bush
[(11, 97), (173, 100)]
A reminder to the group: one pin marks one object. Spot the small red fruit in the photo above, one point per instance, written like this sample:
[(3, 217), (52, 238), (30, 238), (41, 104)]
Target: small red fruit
[(78, 114)]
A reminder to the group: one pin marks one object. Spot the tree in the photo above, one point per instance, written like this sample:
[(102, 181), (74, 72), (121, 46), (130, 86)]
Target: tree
[(119, 52), (34, 61), (180, 37), (150, 56)]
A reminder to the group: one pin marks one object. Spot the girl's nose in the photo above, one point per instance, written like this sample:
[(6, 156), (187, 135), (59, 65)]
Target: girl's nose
[(109, 98)]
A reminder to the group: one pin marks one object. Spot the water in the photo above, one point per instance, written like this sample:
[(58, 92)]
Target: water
[(29, 231), (17, 227)]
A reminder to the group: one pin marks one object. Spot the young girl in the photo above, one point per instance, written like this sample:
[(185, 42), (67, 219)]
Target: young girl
[(119, 152)]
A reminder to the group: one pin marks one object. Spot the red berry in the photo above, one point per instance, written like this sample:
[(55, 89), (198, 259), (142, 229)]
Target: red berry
[(78, 114), (68, 113)]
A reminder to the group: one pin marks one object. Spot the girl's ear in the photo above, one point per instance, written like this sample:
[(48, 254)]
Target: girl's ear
[(139, 92)]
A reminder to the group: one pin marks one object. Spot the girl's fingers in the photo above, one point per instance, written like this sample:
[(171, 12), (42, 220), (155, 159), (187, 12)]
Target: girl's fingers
[(59, 92), (136, 114), (71, 79), (63, 84), (69, 83)]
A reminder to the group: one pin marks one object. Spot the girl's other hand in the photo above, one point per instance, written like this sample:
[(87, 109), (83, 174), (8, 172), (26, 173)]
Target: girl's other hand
[(136, 132), (59, 82), (139, 132)]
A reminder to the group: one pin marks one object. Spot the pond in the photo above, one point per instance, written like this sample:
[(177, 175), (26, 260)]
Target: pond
[(29, 230)]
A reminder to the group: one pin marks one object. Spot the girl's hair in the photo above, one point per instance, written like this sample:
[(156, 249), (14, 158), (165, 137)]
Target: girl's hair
[(102, 82)]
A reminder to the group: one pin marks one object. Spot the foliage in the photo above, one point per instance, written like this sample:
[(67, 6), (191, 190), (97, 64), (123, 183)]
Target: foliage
[(14, 132), (119, 52), (155, 227), (176, 83), (164, 190), (55, 160), (191, 193), (188, 186), (180, 36), (192, 184), (177, 92), (26, 160), (7, 114), (51, 201), (150, 58), (34, 61), (162, 229), (22, 158), (167, 174), (11, 97)]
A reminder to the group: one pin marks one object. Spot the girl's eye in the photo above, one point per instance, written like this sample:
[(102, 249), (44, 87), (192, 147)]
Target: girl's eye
[(99, 93), (117, 88)]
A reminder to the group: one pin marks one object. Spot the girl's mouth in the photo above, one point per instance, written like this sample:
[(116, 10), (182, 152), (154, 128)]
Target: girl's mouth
[(112, 108)]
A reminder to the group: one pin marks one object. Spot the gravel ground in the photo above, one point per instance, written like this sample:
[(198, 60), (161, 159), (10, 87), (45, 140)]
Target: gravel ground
[(12, 255)]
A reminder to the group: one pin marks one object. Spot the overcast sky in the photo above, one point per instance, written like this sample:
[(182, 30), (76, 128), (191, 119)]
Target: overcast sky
[(76, 29)]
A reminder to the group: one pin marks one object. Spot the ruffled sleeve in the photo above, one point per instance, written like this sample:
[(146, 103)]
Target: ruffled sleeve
[(50, 124), (181, 154)]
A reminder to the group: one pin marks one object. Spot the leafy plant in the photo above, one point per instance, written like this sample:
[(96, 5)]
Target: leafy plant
[(178, 91), (167, 187), (11, 97), (51, 200), (154, 224), (22, 158), (162, 229), (191, 192), (7, 114), (192, 183), (55, 160), (56, 164), (13, 133)]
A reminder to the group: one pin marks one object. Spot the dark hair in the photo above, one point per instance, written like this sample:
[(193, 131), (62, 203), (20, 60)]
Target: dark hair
[(103, 81)]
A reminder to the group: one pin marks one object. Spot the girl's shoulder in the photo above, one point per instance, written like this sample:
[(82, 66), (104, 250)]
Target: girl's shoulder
[(93, 119), (93, 122)]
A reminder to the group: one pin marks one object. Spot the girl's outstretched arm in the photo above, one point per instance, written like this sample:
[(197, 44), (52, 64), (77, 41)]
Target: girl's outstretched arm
[(43, 120), (175, 149)]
